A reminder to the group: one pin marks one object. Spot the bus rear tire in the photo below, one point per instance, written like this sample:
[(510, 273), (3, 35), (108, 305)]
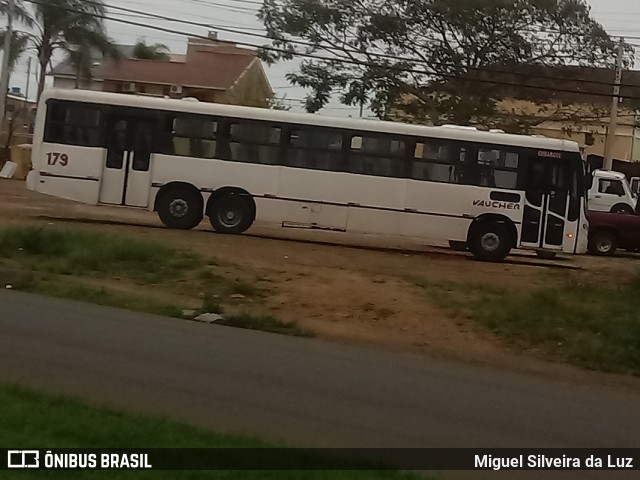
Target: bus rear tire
[(180, 208), (232, 213), (490, 241)]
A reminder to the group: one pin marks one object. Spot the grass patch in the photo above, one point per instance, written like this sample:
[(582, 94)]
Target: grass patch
[(69, 288), (55, 262), (592, 326), (264, 323), (29, 419), (73, 252), (211, 304)]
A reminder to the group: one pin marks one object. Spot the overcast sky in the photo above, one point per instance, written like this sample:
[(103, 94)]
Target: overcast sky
[(619, 17)]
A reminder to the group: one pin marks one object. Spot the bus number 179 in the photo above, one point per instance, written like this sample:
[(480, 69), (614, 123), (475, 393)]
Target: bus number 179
[(55, 158)]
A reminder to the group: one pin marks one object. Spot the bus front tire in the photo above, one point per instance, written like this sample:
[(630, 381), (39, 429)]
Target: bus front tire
[(231, 213), (180, 208), (490, 241)]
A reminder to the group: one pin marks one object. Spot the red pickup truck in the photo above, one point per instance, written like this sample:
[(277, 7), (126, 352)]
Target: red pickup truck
[(610, 231)]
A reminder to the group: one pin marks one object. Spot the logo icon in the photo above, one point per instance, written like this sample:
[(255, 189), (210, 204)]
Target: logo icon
[(23, 459)]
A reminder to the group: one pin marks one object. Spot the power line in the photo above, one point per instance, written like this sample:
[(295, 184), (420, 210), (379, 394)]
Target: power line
[(368, 64)]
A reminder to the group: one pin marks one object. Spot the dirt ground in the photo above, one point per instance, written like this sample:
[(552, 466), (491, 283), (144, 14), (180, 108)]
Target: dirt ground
[(356, 289)]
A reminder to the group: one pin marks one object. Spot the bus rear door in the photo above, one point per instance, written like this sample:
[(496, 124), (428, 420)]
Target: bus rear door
[(126, 176)]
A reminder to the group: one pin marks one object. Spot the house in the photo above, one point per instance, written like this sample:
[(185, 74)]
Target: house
[(210, 70), (559, 104), (576, 110)]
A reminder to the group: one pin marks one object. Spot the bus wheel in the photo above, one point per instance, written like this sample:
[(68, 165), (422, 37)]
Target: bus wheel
[(180, 208), (490, 241), (231, 213)]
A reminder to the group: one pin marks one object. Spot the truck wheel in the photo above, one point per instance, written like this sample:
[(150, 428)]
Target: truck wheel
[(490, 241), (603, 244), (180, 208), (622, 208)]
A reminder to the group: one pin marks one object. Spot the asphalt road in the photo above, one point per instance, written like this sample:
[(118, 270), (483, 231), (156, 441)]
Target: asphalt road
[(304, 392)]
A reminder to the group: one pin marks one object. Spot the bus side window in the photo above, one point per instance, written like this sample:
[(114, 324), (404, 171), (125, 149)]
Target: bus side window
[(117, 144), (165, 144), (431, 162), (193, 136), (380, 155), (255, 143), (315, 148), (498, 168), (73, 124)]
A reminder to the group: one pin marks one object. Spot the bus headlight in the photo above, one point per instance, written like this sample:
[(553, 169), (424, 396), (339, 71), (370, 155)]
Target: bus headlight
[(570, 235)]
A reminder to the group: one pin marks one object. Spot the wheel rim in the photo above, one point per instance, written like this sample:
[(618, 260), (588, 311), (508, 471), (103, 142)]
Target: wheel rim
[(178, 208), (230, 216), (490, 242), (603, 245)]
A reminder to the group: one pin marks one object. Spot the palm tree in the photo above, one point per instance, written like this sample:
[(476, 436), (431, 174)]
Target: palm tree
[(19, 44), (157, 51), (70, 25), (19, 40)]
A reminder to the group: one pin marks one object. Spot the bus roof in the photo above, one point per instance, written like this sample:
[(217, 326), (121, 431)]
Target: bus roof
[(446, 132)]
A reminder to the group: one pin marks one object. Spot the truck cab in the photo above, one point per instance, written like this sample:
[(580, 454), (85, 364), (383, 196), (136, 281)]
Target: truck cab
[(611, 192)]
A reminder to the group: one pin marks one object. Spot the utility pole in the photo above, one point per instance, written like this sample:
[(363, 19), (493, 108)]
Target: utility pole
[(26, 93), (613, 123), (4, 75)]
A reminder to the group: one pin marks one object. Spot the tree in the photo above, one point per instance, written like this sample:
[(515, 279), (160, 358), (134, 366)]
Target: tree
[(74, 26), (428, 58), (157, 51), (20, 40), (19, 44)]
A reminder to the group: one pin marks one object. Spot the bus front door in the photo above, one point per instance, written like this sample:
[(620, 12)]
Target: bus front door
[(126, 176), (546, 205)]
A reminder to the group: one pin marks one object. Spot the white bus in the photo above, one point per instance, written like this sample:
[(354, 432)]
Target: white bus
[(489, 192)]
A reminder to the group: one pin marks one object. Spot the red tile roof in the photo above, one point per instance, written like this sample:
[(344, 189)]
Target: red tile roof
[(216, 70)]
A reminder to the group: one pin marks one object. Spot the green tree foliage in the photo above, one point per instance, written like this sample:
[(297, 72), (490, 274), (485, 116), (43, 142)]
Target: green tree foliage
[(427, 57), (19, 43), (74, 26), (157, 51)]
